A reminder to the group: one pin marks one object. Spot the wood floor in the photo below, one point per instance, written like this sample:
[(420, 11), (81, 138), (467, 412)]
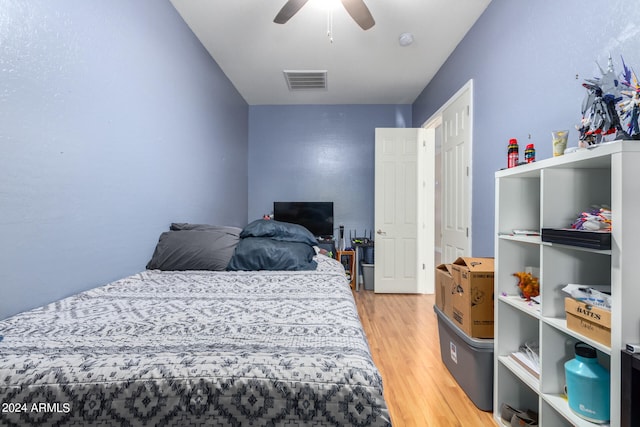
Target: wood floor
[(403, 335)]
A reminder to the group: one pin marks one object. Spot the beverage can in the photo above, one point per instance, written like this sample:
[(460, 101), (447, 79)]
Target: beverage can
[(530, 154), (513, 156)]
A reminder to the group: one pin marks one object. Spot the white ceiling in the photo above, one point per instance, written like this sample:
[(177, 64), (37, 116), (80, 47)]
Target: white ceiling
[(363, 67)]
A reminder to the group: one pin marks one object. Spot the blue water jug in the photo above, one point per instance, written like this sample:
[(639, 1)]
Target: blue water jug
[(588, 385)]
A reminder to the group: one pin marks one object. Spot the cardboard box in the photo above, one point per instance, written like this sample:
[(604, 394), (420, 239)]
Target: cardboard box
[(472, 302), (445, 288), (590, 321)]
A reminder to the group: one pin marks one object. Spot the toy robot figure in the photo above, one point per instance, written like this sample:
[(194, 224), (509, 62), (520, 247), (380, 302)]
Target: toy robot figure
[(630, 107), (599, 115)]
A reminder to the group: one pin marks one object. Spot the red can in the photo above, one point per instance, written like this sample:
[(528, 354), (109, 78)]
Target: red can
[(513, 156)]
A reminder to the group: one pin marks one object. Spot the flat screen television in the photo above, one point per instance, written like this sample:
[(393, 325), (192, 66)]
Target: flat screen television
[(317, 217)]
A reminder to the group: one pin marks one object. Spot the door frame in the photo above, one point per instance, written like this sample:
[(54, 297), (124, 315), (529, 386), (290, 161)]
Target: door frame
[(434, 122)]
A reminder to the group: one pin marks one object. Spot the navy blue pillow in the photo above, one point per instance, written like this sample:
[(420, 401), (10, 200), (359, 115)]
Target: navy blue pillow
[(264, 253), (277, 230)]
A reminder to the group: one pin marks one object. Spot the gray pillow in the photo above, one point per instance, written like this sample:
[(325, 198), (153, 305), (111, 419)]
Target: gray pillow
[(193, 250), (179, 226)]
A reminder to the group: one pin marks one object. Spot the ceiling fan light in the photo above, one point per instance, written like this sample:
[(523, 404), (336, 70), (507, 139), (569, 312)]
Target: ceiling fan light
[(405, 39), (327, 5)]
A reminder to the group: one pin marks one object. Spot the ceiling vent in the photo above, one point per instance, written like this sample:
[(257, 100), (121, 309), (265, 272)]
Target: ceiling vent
[(306, 80)]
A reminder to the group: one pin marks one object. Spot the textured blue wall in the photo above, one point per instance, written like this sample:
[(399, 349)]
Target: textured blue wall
[(114, 121), (524, 57), (318, 153)]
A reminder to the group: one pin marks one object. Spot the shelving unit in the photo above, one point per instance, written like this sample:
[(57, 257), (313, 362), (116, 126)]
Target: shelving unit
[(552, 193)]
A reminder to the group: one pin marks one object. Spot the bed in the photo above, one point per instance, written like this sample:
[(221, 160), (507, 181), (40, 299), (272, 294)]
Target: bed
[(195, 348)]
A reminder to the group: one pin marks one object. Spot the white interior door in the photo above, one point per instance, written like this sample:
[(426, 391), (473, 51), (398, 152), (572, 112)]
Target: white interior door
[(402, 169), (456, 196)]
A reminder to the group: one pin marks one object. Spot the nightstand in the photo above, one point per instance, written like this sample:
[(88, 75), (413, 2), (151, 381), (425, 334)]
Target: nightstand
[(348, 260)]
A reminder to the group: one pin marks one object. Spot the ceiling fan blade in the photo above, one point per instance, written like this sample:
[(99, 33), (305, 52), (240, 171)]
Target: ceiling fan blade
[(288, 10), (359, 12)]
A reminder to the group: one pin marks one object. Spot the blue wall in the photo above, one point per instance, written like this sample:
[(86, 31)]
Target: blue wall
[(318, 153), (115, 121), (523, 57)]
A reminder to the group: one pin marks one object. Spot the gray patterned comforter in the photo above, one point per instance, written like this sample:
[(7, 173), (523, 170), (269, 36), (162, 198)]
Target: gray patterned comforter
[(194, 349)]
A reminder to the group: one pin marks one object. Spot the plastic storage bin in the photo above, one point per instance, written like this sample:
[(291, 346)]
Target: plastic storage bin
[(470, 361), (367, 276)]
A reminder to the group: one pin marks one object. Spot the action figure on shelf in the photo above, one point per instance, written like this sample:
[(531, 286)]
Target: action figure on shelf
[(599, 115), (630, 105), (528, 284)]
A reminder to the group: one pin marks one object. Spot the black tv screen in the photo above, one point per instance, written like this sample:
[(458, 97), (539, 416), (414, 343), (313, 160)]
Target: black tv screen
[(317, 217)]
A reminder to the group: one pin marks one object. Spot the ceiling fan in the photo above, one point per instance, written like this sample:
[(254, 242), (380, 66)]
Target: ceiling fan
[(356, 8)]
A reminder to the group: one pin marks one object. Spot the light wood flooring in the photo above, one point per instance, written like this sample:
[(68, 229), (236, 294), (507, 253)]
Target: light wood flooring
[(403, 335)]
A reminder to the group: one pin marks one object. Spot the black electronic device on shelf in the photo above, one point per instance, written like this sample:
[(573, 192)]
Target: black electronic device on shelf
[(361, 241), (586, 239)]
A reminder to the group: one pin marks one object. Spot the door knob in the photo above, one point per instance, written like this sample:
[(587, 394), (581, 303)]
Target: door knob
[(380, 232)]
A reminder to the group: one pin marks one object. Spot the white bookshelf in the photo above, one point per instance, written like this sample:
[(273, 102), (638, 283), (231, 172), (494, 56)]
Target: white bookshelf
[(550, 194)]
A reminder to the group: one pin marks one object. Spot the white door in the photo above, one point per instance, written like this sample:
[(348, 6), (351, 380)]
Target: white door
[(403, 182), (456, 134)]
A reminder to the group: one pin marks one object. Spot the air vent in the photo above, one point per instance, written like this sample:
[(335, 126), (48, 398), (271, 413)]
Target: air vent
[(306, 80)]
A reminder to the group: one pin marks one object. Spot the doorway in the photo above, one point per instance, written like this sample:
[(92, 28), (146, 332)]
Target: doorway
[(452, 124)]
